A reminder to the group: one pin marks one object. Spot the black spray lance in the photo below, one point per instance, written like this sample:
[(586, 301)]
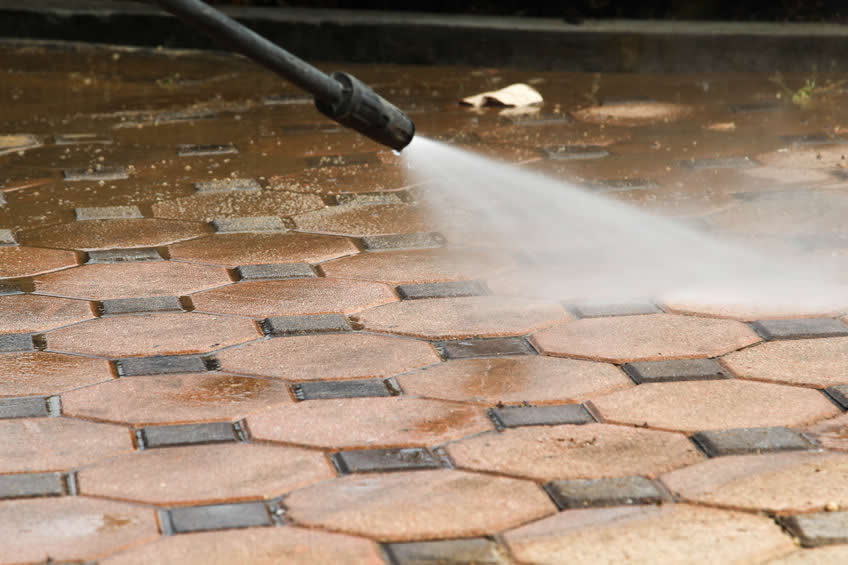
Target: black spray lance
[(339, 96)]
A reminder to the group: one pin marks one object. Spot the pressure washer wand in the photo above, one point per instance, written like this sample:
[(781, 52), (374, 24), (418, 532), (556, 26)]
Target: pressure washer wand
[(339, 96)]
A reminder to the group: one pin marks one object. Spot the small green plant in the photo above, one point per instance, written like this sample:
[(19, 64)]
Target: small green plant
[(807, 95)]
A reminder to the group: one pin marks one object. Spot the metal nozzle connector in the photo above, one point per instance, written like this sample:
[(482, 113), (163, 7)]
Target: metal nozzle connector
[(367, 112)]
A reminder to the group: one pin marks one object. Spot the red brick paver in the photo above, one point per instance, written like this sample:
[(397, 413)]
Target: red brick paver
[(262, 248), (643, 535), (28, 313), (27, 261), (258, 546), (70, 529), (57, 444), (110, 234), (39, 373), (419, 505), (153, 334), (451, 318), (292, 297), (815, 362), (515, 380), (711, 405), (644, 338), (130, 280), (175, 399), (369, 422), (221, 473), (337, 356), (575, 452)]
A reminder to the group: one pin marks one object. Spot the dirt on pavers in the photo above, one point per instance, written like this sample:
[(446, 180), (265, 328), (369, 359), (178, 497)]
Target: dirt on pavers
[(213, 300)]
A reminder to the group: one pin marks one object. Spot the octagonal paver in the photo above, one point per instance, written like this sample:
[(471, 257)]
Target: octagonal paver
[(57, 444), (816, 362), (364, 220), (38, 373), (257, 546), (419, 505), (262, 248), (417, 266), (514, 380), (714, 405), (547, 453), (70, 529), (27, 261), (175, 399), (29, 313), (292, 297), (648, 535), (482, 316), (832, 433), (153, 334), (779, 482), (129, 280), (644, 338), (206, 207), (752, 303), (114, 234), (205, 474), (338, 356), (369, 422)]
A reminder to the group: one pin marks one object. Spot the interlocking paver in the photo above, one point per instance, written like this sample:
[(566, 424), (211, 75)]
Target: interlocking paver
[(41, 373), (617, 491), (70, 529), (31, 485), (415, 240), (28, 261), (217, 517), (674, 370), (800, 328), (600, 310), (16, 342), (816, 362), (116, 306), (476, 316), (112, 234), (644, 338), (831, 434), (55, 444), (382, 460), (574, 152), (492, 347), (24, 407), (204, 474), (107, 213), (419, 505), (153, 334), (745, 441), (260, 299), (368, 422), (228, 185), (175, 399), (258, 546), (514, 380), (553, 415), (160, 365), (332, 356), (745, 307), (777, 482), (820, 528), (315, 323), (194, 150), (206, 206), (575, 452), (280, 271), (479, 551), (132, 280), (236, 249), (714, 405), (9, 287), (675, 533), (29, 313), (186, 434), (839, 393), (95, 174)]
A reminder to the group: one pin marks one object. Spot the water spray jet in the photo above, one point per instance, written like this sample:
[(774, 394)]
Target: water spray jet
[(339, 96)]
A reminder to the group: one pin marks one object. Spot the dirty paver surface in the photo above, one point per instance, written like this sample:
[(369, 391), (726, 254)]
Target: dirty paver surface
[(230, 333)]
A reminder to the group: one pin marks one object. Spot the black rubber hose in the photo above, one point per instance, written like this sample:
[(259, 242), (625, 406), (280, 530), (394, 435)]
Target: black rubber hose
[(251, 44)]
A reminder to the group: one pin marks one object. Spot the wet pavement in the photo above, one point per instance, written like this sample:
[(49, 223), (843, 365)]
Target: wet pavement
[(230, 333)]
